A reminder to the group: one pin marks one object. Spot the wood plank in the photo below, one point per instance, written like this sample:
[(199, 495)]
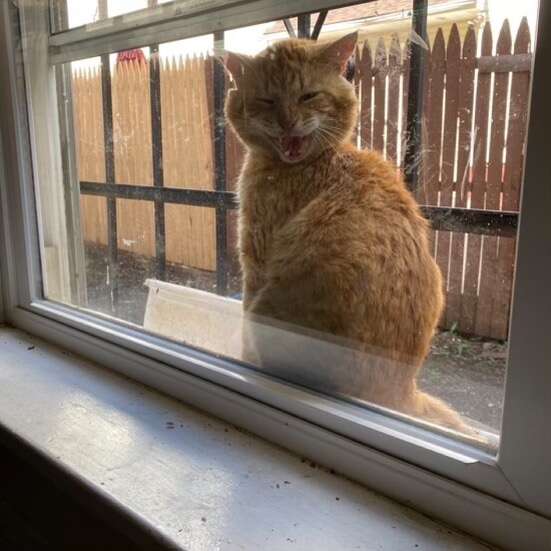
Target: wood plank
[(132, 119), (516, 136), (469, 304), (366, 87), (436, 70), (423, 172), (435, 112), (99, 134), (144, 143), (189, 230), (171, 121), (405, 91), (120, 117), (130, 123), (189, 238), (453, 65), (235, 152), (88, 126), (91, 152), (209, 82), (94, 219), (453, 55), (518, 119), (379, 91), (356, 83), (488, 279), (393, 98), (206, 168), (465, 111), (517, 63)]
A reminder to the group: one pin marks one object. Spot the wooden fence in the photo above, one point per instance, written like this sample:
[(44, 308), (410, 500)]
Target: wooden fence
[(475, 112), (187, 157)]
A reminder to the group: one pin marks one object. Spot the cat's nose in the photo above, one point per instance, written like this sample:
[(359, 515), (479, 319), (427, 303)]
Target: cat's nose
[(289, 126), (287, 120)]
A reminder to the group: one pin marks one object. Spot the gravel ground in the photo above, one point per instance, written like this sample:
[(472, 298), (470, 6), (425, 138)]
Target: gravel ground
[(467, 373)]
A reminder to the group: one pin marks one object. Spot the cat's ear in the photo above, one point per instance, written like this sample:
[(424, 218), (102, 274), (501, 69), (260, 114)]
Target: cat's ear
[(235, 64), (338, 53)]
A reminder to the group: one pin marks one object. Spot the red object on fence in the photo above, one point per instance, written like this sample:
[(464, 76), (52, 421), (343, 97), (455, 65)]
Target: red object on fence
[(131, 55)]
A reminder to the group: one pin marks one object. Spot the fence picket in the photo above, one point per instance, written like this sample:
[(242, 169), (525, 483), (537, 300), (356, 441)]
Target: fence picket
[(118, 91), (420, 192), (355, 59), (437, 68), (234, 150), (366, 76), (516, 134), (404, 100), (518, 116), (393, 98), (90, 151), (379, 93), (133, 162), (469, 304), (453, 53), (488, 279), (465, 112)]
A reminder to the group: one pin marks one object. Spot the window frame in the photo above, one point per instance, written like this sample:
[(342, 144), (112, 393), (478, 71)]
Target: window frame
[(452, 473)]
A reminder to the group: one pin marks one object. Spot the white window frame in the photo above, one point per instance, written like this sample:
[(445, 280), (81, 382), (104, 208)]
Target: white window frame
[(504, 499)]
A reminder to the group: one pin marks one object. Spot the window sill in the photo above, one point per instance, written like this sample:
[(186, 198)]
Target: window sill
[(197, 481)]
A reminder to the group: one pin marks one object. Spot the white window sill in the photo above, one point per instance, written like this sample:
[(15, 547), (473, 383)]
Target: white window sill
[(200, 482)]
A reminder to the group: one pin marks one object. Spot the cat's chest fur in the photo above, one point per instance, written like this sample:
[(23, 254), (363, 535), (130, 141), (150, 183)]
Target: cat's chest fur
[(269, 199)]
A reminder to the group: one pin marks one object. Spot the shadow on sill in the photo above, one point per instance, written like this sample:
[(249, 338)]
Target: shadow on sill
[(44, 508)]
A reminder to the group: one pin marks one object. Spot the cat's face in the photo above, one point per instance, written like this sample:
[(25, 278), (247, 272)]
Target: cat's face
[(291, 100)]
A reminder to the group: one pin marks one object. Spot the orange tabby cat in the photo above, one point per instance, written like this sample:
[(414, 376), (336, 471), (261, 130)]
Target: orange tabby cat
[(330, 238)]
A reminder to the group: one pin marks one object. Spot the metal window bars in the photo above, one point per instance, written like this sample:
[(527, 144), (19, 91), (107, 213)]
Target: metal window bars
[(483, 222)]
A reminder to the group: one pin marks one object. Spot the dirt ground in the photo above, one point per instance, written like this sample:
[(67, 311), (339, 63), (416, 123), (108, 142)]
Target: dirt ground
[(467, 373)]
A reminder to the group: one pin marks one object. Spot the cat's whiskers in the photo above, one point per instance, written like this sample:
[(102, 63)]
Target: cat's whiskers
[(332, 127), (324, 143), (311, 125), (329, 135)]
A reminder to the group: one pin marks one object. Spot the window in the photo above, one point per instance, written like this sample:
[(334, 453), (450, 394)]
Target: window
[(135, 168), (157, 168)]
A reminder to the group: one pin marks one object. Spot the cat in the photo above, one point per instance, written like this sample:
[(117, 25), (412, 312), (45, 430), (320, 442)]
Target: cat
[(330, 240)]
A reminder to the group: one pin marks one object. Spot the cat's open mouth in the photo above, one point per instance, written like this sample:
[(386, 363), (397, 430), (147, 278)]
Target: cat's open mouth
[(294, 148)]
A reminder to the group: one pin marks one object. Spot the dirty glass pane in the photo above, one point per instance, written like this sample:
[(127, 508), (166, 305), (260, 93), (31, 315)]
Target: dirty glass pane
[(337, 288), (68, 14)]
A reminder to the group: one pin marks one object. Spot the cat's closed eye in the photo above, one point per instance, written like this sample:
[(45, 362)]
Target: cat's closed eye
[(308, 96), (265, 101)]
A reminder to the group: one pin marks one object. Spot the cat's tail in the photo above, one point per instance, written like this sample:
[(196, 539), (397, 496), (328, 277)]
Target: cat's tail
[(434, 410)]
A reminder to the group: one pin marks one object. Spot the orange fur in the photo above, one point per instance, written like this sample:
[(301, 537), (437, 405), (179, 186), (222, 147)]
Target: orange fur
[(333, 242)]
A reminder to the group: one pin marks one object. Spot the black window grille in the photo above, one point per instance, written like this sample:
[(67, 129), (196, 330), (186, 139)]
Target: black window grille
[(484, 222)]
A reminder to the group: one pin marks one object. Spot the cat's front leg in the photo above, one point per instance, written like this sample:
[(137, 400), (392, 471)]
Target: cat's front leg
[(252, 267), (252, 287), (253, 281)]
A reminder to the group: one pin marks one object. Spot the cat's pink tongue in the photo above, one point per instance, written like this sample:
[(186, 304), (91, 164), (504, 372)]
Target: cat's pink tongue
[(292, 146)]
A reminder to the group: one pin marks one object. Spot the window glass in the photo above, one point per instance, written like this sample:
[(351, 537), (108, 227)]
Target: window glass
[(322, 273), (67, 14)]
